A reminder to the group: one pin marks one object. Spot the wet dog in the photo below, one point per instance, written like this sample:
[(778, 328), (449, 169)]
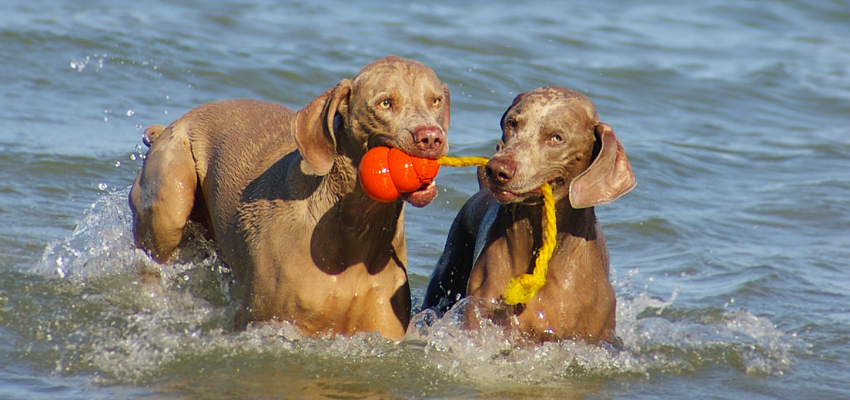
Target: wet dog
[(549, 135), (277, 191)]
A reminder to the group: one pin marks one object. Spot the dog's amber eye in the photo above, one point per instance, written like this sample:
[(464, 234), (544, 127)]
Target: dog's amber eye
[(556, 138), (385, 104), (436, 102), (511, 123)]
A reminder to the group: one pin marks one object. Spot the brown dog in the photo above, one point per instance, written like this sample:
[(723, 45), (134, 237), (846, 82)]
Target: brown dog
[(549, 135), (278, 192)]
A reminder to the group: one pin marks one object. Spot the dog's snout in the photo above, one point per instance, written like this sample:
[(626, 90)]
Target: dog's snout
[(500, 171), (428, 138)]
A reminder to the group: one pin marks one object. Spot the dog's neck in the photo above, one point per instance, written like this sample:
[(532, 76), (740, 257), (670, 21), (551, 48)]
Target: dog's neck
[(523, 225), (571, 222), (347, 214)]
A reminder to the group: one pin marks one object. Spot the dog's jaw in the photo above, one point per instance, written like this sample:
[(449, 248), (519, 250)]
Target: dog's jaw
[(421, 197)]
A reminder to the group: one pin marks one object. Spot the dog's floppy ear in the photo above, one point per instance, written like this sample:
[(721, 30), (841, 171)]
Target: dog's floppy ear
[(446, 105), (314, 130), (608, 177)]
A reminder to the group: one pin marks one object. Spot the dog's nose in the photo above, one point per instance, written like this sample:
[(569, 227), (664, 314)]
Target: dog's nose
[(428, 138), (500, 171)]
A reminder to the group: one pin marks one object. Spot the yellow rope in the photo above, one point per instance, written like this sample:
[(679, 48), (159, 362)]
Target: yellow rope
[(523, 288), (463, 161)]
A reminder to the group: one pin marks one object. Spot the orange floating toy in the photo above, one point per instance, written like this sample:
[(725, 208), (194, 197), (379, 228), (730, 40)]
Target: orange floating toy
[(386, 173)]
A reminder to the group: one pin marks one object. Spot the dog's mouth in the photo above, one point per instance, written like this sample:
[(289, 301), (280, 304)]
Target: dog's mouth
[(387, 173), (422, 196), (530, 197), (426, 193)]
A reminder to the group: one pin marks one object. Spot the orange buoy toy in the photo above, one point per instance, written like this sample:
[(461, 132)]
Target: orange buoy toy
[(386, 173)]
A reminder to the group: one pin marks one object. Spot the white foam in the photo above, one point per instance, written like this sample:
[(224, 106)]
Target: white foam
[(188, 314)]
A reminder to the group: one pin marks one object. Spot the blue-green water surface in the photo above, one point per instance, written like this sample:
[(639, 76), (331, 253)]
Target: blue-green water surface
[(730, 259)]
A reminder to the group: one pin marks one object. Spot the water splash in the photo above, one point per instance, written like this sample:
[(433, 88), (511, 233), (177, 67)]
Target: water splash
[(652, 344), (144, 330), (138, 153), (102, 244), (79, 65)]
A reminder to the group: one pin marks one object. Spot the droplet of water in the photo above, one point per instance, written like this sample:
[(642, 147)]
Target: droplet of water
[(117, 164), (130, 113), (78, 65), (102, 186), (138, 127)]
